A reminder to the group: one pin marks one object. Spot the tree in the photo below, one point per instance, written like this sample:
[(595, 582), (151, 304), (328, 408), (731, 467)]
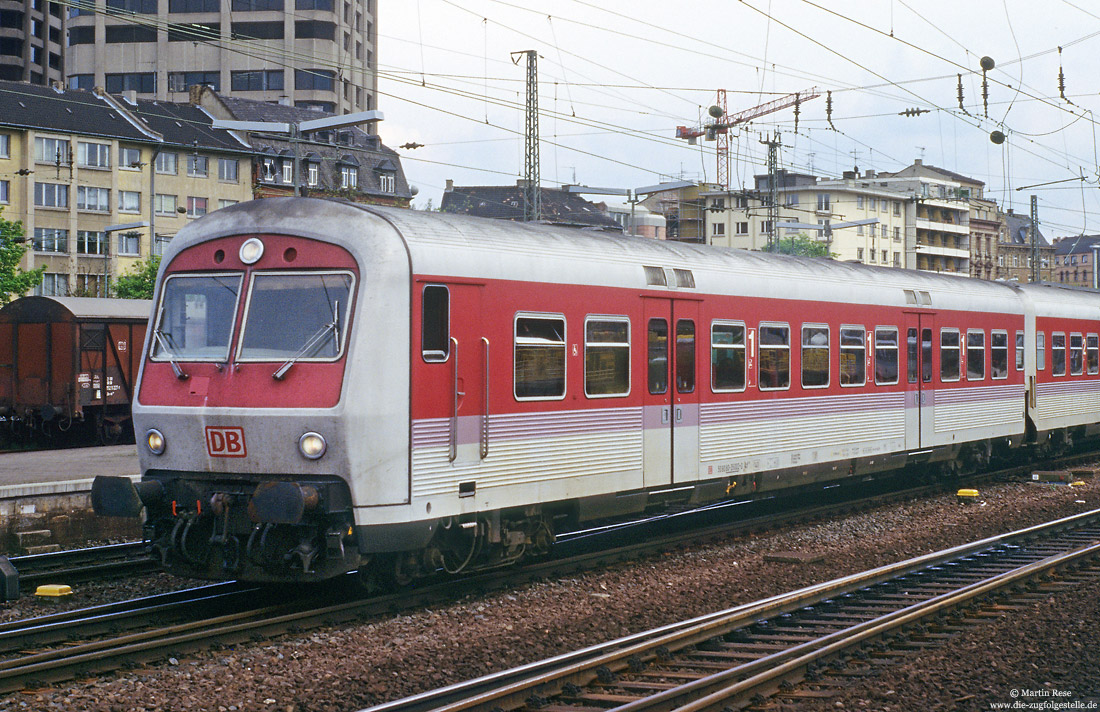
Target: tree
[(800, 244), (13, 280), (138, 283)]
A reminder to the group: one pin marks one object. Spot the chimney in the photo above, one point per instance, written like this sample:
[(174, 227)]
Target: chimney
[(918, 161), (849, 175), (869, 173), (450, 186), (194, 94)]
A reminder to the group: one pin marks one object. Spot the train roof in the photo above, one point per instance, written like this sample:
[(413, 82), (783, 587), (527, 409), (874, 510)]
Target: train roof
[(447, 245), (42, 309)]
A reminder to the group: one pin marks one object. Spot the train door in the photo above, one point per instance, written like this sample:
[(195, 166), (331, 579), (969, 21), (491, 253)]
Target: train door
[(671, 394), (468, 390), (920, 391)]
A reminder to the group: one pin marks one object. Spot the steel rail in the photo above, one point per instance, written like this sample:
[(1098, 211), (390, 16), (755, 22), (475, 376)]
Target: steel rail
[(512, 688)]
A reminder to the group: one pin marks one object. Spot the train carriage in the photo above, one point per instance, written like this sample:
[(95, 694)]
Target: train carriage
[(69, 361), (327, 385)]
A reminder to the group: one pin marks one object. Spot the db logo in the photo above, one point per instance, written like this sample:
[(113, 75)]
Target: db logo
[(225, 441)]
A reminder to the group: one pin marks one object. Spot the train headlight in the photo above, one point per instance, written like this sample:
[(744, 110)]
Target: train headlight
[(252, 250), (154, 439), (312, 445)]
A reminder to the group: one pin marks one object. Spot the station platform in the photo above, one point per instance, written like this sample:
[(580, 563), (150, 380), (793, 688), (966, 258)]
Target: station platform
[(45, 498), (59, 469)]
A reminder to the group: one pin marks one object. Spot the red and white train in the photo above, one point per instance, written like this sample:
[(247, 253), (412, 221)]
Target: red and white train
[(327, 386)]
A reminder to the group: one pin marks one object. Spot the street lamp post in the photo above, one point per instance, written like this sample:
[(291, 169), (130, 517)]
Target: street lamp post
[(297, 128), (107, 245)]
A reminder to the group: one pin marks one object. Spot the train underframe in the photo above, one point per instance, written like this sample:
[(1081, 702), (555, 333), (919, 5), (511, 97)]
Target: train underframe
[(61, 425), (271, 529)]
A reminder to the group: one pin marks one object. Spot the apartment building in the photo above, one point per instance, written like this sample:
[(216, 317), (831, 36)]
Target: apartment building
[(1075, 261), (76, 166), (315, 53), (31, 34), (1014, 252)]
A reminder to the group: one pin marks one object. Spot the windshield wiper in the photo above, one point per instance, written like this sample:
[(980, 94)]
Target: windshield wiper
[(313, 341), (163, 339)]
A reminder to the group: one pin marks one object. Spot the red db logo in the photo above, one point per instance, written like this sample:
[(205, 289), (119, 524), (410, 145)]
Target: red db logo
[(225, 441)]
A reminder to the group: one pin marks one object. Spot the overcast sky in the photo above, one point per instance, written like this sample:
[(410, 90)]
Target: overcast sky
[(616, 78)]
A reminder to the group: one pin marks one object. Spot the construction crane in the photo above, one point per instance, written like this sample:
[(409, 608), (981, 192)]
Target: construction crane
[(721, 122)]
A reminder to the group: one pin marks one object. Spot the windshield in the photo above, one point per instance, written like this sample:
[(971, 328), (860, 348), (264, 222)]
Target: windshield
[(291, 312), (196, 317)]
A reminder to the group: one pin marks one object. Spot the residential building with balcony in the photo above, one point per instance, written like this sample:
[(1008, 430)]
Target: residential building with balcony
[(319, 53), (74, 164), (31, 33)]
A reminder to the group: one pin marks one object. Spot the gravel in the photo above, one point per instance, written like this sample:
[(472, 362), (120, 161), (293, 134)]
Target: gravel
[(353, 667)]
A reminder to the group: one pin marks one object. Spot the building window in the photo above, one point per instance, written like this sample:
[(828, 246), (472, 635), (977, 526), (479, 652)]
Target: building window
[(51, 150), (387, 184), (4, 189), (742, 228), (141, 82), (260, 80), (313, 174), (129, 243), (167, 163), (116, 34), (225, 203), (49, 239), (182, 81), (51, 195), (268, 171), (897, 234), (314, 79), (89, 242), (288, 172), (256, 5), (326, 5), (164, 204), (195, 32), (144, 7), (349, 177), (198, 166), (897, 208), (859, 254), (717, 229), (129, 158), (89, 198), (196, 207), (194, 5), (257, 30), (228, 169), (823, 202), (82, 35), (859, 202), (5, 146), (129, 201), (53, 285), (314, 30)]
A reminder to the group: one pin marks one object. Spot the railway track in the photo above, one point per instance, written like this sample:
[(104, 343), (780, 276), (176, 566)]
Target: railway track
[(75, 565), (739, 657), (105, 638)]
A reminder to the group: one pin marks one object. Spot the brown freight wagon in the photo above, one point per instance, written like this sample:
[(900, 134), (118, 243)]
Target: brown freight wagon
[(68, 365)]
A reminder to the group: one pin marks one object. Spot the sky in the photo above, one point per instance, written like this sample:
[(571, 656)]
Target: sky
[(617, 78)]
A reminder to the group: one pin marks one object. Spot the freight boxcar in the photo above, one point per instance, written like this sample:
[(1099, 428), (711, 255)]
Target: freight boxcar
[(67, 367)]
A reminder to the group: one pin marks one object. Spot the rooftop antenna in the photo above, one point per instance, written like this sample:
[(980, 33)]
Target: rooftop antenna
[(921, 149)]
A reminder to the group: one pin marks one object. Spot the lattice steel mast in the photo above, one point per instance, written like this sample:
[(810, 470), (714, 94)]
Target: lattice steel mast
[(532, 194)]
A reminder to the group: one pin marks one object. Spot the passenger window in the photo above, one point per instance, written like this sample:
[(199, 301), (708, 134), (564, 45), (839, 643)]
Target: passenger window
[(975, 355), (949, 355), (1019, 351), (607, 356), (853, 350), (913, 354), (1076, 354), (1040, 351), (1092, 354), (926, 355), (815, 356), (657, 355), (998, 354), (685, 356), (775, 357), (540, 357), (435, 333), (727, 357), (886, 355), (1058, 354)]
